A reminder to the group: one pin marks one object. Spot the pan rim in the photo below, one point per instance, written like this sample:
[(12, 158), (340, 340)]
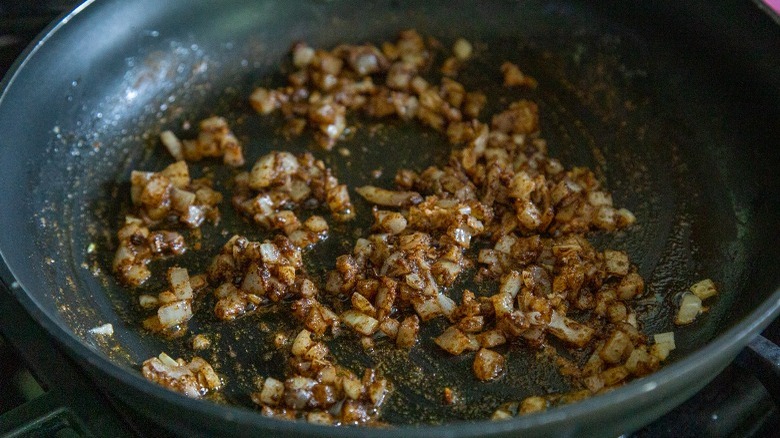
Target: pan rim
[(729, 341)]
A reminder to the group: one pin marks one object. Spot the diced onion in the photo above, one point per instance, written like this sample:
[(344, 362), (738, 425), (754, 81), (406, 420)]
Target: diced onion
[(704, 289), (690, 308)]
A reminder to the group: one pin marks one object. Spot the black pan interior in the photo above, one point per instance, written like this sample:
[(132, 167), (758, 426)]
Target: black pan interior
[(685, 142)]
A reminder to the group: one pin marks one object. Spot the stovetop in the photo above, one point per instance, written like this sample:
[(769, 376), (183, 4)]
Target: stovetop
[(43, 393)]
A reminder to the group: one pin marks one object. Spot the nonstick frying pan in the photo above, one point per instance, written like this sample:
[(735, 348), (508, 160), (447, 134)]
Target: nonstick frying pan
[(674, 104)]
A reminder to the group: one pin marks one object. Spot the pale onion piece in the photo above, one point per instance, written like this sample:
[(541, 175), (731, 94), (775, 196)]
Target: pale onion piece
[(502, 304), (103, 330), (462, 236), (302, 343), (473, 342), (377, 391), (510, 284), (666, 338), (138, 181), (285, 274), (352, 387), (528, 214), (180, 283), (262, 173), (174, 313), (533, 404), (264, 101), (208, 196), (299, 190), (166, 297), (414, 281), (599, 199), (272, 392), (361, 323), (181, 200), (148, 301), (660, 351), (319, 417), (569, 330), (453, 341), (616, 262), (446, 304), (308, 289), (362, 304), (302, 55), (616, 347), (614, 375), (521, 186), (205, 373), (269, 253), (225, 290), (167, 360), (233, 155), (123, 255), (328, 315), (407, 332), (136, 274), (316, 224), (631, 286), (501, 414), (487, 257), (152, 324), (446, 271), (388, 198), (704, 289), (427, 308), (491, 338), (269, 167), (631, 320), (505, 243), (253, 281), (690, 308), (193, 216), (318, 351), (640, 362), (201, 342), (363, 247), (488, 364), (462, 49), (625, 217), (178, 174), (593, 383), (298, 391), (173, 144), (390, 327), (664, 344), (296, 383), (328, 375), (605, 218), (391, 221)]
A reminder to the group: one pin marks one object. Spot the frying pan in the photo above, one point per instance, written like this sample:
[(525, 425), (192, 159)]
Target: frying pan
[(675, 105)]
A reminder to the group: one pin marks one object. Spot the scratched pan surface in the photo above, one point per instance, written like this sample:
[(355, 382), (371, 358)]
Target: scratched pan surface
[(690, 152)]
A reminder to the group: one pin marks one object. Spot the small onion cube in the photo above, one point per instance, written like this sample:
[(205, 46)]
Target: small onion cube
[(453, 341), (361, 323), (704, 289), (690, 308), (174, 313)]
